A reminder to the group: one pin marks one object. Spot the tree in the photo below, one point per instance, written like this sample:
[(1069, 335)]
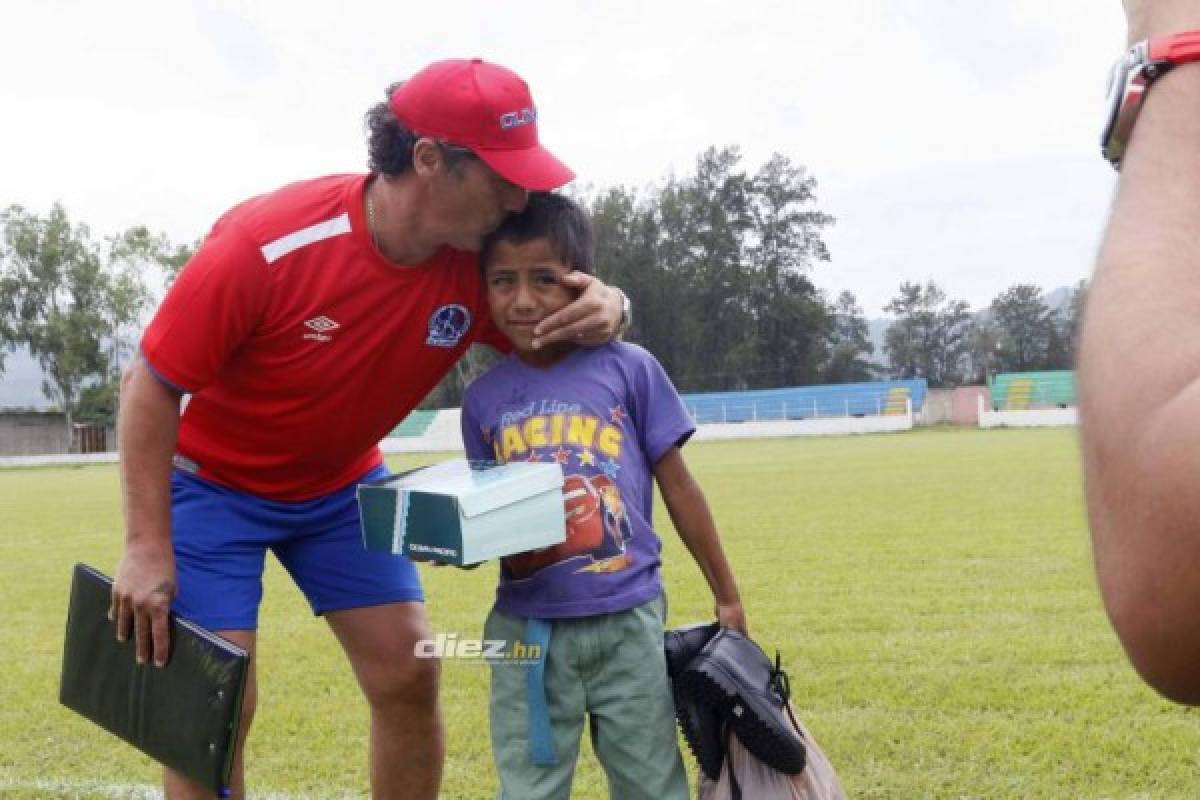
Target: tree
[(1025, 325), (173, 258), (449, 391), (67, 298), (850, 345), (795, 322), (1064, 341), (715, 265), (929, 337), (59, 293), (128, 254), (983, 345), (703, 223)]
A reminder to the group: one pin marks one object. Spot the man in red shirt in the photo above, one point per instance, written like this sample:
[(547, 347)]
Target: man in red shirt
[(310, 322)]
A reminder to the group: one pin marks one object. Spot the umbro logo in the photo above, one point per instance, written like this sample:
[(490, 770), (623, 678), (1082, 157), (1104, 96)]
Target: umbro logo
[(321, 326)]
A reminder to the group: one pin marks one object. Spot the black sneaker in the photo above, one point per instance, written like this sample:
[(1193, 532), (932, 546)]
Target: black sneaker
[(700, 722), (733, 675)]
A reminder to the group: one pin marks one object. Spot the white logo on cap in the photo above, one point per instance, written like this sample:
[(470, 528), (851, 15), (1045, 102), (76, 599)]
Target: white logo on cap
[(515, 119)]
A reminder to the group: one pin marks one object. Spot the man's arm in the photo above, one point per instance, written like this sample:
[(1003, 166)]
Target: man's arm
[(689, 512), (593, 318), (1139, 372), (145, 581)]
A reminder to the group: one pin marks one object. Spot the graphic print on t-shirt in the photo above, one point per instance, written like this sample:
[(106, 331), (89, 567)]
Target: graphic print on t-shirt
[(589, 450), (606, 416)]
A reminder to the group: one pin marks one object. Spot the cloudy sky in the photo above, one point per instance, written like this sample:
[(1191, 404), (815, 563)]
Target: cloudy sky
[(953, 141)]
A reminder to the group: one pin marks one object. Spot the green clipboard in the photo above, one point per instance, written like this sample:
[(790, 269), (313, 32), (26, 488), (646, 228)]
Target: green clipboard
[(183, 715)]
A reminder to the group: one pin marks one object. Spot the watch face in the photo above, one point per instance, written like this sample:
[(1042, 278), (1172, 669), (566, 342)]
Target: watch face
[(1126, 82), (1112, 105)]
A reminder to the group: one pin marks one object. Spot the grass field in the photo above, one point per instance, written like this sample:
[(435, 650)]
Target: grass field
[(931, 594)]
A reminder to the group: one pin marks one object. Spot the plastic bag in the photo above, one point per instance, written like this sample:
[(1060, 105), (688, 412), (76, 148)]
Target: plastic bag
[(751, 779)]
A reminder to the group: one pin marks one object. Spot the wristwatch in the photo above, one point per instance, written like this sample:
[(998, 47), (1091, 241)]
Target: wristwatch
[(626, 313), (1145, 62)]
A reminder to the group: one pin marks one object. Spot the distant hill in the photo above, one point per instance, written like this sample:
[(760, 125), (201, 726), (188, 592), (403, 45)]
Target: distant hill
[(1058, 298)]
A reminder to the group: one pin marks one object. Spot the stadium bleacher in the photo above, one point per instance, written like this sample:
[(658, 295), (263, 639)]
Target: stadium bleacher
[(1021, 391), (807, 402), (414, 424)]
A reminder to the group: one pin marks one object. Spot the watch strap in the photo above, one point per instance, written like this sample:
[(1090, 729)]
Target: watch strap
[(1179, 48)]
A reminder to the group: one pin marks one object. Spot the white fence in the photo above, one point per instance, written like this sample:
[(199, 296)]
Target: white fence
[(1032, 418), (739, 411), (64, 459), (827, 426), (443, 435)]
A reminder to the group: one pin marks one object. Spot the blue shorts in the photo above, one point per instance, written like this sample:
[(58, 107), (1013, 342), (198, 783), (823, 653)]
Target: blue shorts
[(221, 537)]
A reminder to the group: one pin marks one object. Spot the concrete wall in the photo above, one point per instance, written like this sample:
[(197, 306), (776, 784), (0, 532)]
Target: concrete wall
[(29, 433), (937, 408), (952, 406), (35, 433), (1034, 418), (964, 404)]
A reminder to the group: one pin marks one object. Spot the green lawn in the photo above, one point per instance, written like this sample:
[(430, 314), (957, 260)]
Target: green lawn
[(931, 594)]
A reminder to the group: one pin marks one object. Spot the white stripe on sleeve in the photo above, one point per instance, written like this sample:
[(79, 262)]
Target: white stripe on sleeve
[(313, 233)]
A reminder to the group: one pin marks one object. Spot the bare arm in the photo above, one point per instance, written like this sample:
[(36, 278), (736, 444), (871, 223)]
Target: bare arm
[(591, 319), (689, 512), (145, 581), (1139, 372)]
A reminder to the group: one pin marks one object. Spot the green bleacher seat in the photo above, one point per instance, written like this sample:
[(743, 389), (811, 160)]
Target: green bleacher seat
[(414, 424), (1018, 391)]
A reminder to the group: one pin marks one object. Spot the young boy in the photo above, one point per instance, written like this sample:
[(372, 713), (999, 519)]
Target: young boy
[(611, 418)]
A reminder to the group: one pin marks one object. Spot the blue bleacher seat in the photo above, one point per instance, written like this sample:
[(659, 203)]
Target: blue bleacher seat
[(804, 402)]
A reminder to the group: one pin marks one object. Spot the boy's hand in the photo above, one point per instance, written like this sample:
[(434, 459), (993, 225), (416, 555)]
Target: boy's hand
[(732, 615)]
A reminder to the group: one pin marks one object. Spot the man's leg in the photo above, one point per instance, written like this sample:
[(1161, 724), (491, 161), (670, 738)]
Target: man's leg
[(176, 786), (220, 538), (407, 741)]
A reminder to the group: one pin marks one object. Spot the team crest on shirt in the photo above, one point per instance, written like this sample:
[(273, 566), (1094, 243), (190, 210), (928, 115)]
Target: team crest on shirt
[(448, 325)]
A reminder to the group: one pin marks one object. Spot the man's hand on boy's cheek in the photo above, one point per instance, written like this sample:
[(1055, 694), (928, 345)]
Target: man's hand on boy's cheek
[(591, 319)]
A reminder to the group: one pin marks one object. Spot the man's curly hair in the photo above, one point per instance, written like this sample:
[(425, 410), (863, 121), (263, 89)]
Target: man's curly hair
[(390, 143)]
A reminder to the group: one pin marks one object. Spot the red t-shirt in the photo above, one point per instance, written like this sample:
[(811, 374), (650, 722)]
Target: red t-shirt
[(301, 345)]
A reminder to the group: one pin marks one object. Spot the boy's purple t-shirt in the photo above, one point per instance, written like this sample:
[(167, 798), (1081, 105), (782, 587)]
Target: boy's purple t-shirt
[(607, 415)]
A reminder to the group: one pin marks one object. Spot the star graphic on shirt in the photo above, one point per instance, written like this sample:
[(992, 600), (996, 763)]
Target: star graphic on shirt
[(610, 468), (534, 456), (617, 414), (561, 455), (586, 459)]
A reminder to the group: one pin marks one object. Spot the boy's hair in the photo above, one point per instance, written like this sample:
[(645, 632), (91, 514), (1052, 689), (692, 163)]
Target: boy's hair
[(553, 217)]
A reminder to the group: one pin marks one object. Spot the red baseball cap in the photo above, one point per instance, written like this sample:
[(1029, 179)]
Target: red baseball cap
[(485, 108)]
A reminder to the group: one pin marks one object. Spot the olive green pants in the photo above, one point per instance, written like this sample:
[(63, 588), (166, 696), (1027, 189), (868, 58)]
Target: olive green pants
[(610, 669)]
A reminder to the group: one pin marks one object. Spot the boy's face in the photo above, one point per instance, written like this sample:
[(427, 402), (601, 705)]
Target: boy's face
[(523, 288)]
